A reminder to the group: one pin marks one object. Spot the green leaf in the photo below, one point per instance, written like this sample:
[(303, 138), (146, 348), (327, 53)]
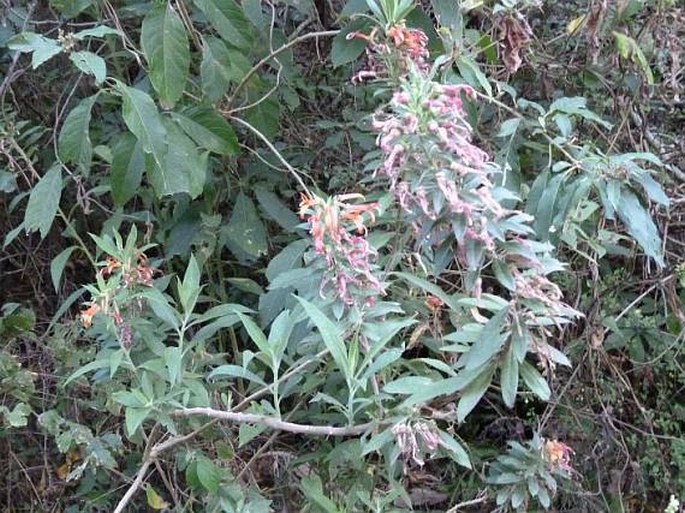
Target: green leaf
[(472, 394), (128, 164), (90, 64), (99, 31), (183, 170), (173, 360), (89, 367), (289, 258), (489, 341), (165, 44), (256, 334), (216, 69), (276, 209), (330, 334), (228, 20), (18, 417), (509, 377), (640, 225), (74, 139), (134, 417), (42, 48), (143, 120), (57, 266), (244, 234), (312, 487), (472, 74), (44, 202), (208, 474), (189, 289), (509, 127), (234, 371), (208, 129), (456, 450), (343, 50), (534, 381)]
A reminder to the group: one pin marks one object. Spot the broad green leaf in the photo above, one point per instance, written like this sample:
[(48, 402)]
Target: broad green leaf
[(89, 367), (220, 67), (184, 170), (330, 334), (503, 274), (509, 377), (534, 381), (57, 266), (208, 474), (44, 202), (128, 164), (640, 225), (276, 209), (489, 341), (629, 49), (228, 20), (208, 129), (377, 442), (472, 394), (74, 139), (407, 385), (245, 234), (443, 387), (344, 50), (42, 47), (90, 64), (165, 44), (143, 120)]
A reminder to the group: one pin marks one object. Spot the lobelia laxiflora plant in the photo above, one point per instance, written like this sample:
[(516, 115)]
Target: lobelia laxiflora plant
[(445, 192)]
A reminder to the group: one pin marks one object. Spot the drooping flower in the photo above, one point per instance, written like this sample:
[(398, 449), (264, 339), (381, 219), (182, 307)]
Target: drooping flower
[(349, 259), (557, 455), (88, 314)]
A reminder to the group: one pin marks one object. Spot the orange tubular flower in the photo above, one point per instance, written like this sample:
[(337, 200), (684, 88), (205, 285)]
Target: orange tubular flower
[(558, 455), (112, 264), (88, 314)]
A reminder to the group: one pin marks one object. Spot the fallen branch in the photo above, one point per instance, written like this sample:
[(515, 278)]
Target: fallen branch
[(274, 423)]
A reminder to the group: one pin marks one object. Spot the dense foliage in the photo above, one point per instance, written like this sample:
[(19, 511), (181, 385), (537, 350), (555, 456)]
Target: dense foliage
[(377, 256)]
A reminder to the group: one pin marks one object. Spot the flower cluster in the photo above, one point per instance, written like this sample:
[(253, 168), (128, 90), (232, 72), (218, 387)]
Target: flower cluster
[(557, 455), (446, 186), (415, 439), (393, 55), (437, 174), (339, 232), (116, 276)]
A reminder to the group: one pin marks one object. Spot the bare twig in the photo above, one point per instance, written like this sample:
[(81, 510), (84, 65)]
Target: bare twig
[(274, 53)]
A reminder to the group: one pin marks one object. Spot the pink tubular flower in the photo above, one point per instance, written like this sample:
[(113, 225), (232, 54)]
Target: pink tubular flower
[(349, 258)]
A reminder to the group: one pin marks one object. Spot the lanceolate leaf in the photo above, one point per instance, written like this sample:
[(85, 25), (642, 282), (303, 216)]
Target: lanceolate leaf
[(74, 139), (44, 202), (509, 377), (534, 380), (473, 393), (143, 120), (640, 225), (228, 20), (128, 164), (330, 334), (165, 45)]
